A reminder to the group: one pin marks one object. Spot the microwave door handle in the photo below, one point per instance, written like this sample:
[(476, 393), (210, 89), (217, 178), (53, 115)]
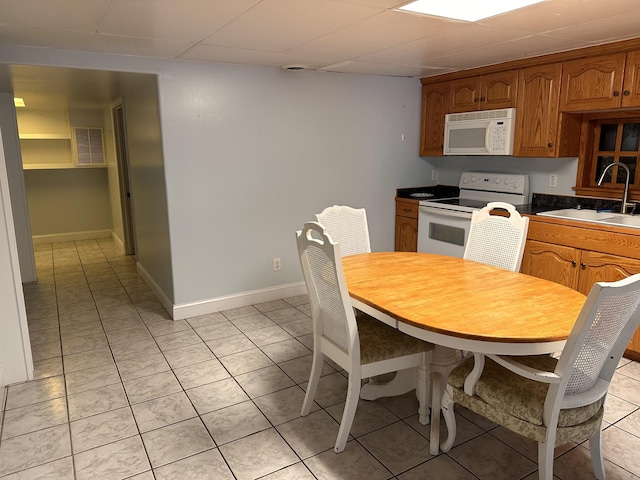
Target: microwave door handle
[(488, 136)]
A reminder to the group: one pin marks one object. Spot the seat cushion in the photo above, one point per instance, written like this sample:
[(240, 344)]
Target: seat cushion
[(518, 396), (379, 341)]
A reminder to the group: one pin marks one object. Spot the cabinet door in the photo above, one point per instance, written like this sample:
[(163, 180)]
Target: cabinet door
[(551, 262), (406, 234), (465, 95), (601, 267), (435, 99), (499, 90), (592, 83), (537, 114), (631, 90)]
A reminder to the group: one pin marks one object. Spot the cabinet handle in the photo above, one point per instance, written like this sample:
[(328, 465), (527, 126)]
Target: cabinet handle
[(583, 266), (406, 209), (482, 99), (574, 263), (549, 145), (616, 93), (626, 93)]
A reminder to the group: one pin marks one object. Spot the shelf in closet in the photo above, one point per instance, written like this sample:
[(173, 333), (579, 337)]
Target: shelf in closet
[(59, 166)]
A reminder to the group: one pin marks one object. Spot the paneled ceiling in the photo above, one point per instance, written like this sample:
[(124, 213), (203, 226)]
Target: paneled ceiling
[(352, 36), (344, 36)]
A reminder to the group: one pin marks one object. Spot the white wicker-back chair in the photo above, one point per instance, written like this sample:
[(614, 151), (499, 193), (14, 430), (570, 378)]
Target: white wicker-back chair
[(347, 227), (364, 348), (495, 239), (554, 401)]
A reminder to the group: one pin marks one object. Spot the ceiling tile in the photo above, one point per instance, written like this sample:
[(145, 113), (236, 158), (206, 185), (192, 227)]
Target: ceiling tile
[(186, 20), (467, 37), (378, 32), (211, 53), (377, 3), (512, 50), (279, 25), (553, 14), (78, 15), (384, 69), (612, 28), (91, 42)]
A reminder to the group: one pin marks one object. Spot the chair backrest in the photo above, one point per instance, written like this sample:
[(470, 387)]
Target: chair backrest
[(347, 227), (333, 318), (599, 337), (495, 239)]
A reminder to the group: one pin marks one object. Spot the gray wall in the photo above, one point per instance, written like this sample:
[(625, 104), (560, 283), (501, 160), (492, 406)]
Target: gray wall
[(15, 175), (148, 183), (249, 154), (68, 200)]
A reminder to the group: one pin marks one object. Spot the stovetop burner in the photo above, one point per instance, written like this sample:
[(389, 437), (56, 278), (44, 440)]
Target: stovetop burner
[(422, 195)]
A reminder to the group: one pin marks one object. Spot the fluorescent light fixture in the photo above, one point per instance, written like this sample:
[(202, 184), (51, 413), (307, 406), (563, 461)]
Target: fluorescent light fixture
[(18, 102), (469, 10)]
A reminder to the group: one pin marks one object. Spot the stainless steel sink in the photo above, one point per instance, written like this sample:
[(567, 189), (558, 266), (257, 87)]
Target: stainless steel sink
[(594, 216)]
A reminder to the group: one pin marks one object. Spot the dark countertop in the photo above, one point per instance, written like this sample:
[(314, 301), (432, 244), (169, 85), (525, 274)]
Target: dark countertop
[(434, 191), (541, 202)]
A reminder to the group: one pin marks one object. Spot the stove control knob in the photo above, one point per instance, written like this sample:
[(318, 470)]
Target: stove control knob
[(496, 180), (465, 180), (473, 178), (516, 184), (507, 181)]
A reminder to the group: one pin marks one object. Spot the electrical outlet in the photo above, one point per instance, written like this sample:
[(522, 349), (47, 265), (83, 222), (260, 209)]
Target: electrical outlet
[(276, 264), (553, 181), (434, 174)]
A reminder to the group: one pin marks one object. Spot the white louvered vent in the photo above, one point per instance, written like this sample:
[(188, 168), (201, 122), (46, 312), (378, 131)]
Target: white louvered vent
[(88, 146), (481, 115)]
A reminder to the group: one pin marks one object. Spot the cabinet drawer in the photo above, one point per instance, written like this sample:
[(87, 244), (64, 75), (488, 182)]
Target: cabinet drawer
[(407, 208)]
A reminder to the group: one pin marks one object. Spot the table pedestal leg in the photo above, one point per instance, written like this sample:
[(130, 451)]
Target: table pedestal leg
[(444, 359), (403, 382)]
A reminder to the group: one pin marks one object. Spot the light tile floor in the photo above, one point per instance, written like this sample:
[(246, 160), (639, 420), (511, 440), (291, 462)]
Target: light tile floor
[(122, 391)]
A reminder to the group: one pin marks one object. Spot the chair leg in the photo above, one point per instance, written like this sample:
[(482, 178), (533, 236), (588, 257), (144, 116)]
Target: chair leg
[(595, 447), (545, 460), (314, 379), (353, 395), (450, 420)]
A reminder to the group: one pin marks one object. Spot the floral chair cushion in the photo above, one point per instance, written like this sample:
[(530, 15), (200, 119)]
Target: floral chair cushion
[(379, 341), (516, 396)]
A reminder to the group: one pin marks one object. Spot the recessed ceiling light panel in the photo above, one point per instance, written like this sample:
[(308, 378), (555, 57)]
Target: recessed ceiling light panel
[(468, 10), (18, 102)]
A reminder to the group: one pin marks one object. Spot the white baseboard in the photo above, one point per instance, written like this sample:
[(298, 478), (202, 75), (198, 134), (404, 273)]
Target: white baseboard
[(71, 236), (187, 310), (117, 240), (162, 297)]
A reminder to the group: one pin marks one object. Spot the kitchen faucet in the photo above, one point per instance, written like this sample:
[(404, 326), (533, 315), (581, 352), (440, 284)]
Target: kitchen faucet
[(625, 193)]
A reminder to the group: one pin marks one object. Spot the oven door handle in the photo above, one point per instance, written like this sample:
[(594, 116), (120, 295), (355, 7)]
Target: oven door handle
[(445, 212)]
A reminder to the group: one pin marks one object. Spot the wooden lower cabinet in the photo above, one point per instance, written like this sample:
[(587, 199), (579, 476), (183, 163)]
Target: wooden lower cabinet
[(406, 239), (579, 269)]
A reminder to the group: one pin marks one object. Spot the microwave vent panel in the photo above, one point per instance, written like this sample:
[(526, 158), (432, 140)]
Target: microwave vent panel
[(482, 115)]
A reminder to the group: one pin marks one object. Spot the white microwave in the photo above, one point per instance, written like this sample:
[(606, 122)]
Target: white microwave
[(486, 132)]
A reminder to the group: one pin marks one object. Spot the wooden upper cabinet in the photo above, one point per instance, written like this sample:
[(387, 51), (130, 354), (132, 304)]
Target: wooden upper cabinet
[(537, 111), (465, 95), (631, 88), (486, 92), (592, 83), (434, 107), (499, 90)]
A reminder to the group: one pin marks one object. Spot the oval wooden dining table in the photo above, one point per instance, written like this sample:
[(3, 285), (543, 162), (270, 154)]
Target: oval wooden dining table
[(459, 304)]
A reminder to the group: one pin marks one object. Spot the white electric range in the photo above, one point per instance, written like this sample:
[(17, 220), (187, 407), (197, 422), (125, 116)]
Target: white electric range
[(443, 223)]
